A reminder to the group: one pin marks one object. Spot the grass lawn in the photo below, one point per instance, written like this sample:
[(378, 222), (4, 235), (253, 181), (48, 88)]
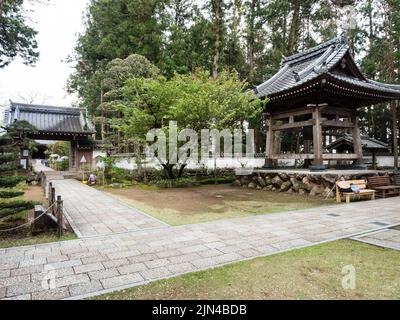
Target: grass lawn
[(213, 202), (24, 236), (310, 273)]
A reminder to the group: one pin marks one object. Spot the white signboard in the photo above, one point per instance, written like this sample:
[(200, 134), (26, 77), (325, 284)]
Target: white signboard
[(23, 163), (83, 159)]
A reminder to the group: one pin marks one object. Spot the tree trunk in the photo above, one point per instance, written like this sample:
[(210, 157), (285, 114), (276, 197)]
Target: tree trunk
[(250, 40), (217, 8), (294, 27), (103, 119), (371, 25)]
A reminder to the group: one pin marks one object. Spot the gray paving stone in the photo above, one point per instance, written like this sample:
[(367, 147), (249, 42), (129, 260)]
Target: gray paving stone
[(132, 268), (265, 249), (157, 263), (72, 279), (2, 292), (58, 273), (5, 282), (249, 253), (103, 274), (57, 258), (23, 288), (193, 249), (215, 245), (84, 288), (88, 267), (142, 258), (155, 273), (32, 262), (66, 264), (27, 270), (214, 261), (181, 268), (5, 273), (168, 253), (210, 253), (115, 263), (51, 294), (184, 258), (20, 297), (229, 249), (123, 254), (121, 280), (94, 258)]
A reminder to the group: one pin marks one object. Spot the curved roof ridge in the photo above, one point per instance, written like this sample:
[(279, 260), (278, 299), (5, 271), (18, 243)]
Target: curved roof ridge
[(386, 85), (43, 106), (316, 49), (272, 79)]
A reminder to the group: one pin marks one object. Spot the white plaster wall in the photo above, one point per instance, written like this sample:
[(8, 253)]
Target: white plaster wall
[(222, 163)]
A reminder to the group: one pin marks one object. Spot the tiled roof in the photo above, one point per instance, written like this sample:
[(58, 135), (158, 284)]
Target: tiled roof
[(50, 118), (366, 142), (367, 84), (304, 67)]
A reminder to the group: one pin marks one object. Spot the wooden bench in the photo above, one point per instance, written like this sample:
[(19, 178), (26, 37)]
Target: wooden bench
[(396, 180), (383, 186), (363, 191)]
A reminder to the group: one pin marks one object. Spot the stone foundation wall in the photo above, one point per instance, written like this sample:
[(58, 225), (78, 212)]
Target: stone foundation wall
[(312, 184)]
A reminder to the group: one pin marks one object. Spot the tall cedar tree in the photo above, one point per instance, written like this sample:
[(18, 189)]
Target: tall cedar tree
[(250, 36)]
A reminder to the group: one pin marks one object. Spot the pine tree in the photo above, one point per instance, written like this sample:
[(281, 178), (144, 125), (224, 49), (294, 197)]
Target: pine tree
[(10, 144)]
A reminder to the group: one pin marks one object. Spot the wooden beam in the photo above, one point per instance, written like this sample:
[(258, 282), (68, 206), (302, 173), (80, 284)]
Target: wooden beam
[(293, 156), (339, 156), (293, 125), (336, 111), (337, 124), (294, 113)]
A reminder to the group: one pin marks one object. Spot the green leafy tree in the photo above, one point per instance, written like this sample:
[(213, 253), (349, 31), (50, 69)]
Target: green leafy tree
[(10, 176), (195, 101), (16, 37), (59, 147)]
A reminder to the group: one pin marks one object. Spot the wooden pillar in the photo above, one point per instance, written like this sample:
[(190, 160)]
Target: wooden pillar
[(60, 217), (357, 144), (269, 149), (72, 156), (374, 164), (317, 138), (393, 107)]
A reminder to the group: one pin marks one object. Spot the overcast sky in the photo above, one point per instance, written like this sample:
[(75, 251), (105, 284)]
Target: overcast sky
[(58, 23)]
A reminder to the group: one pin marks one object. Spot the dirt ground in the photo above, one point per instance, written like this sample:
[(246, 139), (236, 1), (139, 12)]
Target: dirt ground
[(205, 203), (34, 193)]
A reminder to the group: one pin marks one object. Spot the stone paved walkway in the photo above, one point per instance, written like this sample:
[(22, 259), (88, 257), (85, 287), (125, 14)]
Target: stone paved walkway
[(93, 213), (388, 238), (38, 166), (96, 265)]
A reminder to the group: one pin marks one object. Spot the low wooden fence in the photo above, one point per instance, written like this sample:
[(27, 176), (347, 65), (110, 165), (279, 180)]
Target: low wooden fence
[(55, 207)]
